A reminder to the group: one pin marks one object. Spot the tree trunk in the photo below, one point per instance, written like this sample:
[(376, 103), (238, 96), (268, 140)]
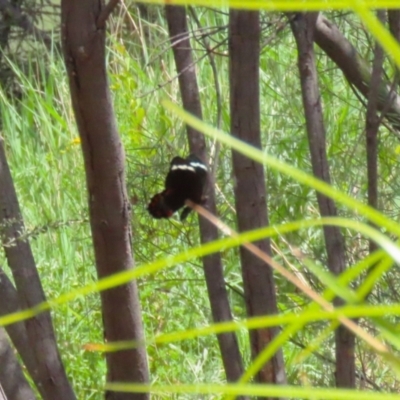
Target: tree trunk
[(373, 122), (250, 190), (51, 375), (303, 26), (12, 378), (9, 303), (212, 264), (84, 51)]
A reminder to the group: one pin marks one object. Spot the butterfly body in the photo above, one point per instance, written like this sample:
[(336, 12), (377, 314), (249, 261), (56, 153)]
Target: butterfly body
[(185, 180)]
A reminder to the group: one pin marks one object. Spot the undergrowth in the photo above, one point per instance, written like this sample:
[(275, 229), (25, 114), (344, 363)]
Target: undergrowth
[(43, 150)]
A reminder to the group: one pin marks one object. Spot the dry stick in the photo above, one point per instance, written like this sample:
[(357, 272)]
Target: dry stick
[(373, 342)]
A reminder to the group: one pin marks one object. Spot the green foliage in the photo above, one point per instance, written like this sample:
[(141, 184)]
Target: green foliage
[(43, 150)]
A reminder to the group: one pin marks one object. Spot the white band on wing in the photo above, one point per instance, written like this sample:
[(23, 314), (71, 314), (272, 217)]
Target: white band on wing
[(182, 167), (198, 165)]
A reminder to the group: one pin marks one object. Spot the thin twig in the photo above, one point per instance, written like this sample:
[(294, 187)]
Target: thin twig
[(161, 85), (181, 38), (32, 234)]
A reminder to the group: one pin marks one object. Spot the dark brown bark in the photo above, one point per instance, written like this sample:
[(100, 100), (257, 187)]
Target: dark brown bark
[(356, 70), (105, 13), (250, 190), (12, 378), (84, 52), (394, 23), (303, 26), (372, 128), (50, 370), (212, 264), (214, 153), (9, 303)]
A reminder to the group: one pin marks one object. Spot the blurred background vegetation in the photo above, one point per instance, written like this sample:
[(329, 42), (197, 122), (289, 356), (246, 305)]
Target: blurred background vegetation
[(43, 150)]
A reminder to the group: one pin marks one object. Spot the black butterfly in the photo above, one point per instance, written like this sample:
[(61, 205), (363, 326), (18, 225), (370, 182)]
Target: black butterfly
[(185, 180)]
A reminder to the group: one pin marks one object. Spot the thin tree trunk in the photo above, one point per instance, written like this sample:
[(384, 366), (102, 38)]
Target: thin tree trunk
[(50, 370), (250, 190), (303, 26), (212, 264), (12, 378), (9, 303), (83, 37), (373, 122)]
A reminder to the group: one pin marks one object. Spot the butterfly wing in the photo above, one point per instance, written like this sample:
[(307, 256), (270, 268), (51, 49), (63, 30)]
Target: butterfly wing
[(185, 180), (199, 180)]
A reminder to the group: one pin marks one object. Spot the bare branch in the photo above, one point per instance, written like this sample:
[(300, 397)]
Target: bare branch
[(105, 13), (356, 70)]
